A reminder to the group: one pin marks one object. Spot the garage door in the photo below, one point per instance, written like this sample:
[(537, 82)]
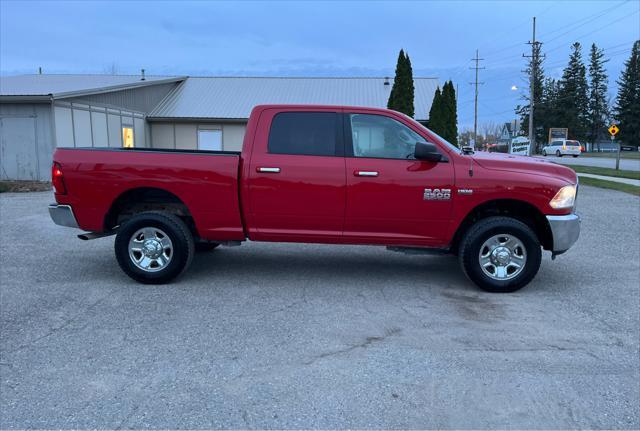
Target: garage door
[(18, 160)]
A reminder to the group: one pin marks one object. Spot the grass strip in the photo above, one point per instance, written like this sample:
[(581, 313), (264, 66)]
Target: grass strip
[(609, 172), (603, 184)]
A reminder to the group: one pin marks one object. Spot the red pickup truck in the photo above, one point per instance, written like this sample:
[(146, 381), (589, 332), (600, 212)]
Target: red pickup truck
[(322, 174)]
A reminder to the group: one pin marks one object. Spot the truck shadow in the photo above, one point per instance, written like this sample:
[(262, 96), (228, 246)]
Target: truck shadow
[(345, 265)]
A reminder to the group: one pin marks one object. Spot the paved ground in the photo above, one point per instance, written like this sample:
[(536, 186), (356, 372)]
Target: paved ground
[(602, 162), (296, 336)]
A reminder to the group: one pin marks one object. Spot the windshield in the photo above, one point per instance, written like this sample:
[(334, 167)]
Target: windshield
[(444, 141)]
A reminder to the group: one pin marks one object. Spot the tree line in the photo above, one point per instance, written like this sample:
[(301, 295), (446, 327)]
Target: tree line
[(579, 99)]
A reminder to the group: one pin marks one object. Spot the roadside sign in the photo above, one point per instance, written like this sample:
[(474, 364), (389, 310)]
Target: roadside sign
[(519, 145), (613, 130), (556, 133)]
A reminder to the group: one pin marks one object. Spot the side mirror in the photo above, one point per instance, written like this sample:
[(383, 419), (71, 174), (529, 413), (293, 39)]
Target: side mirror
[(428, 152)]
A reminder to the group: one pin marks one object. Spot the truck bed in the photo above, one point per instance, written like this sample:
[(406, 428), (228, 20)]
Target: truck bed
[(205, 181)]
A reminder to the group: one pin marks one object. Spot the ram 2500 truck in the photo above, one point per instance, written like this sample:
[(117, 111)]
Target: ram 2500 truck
[(322, 174)]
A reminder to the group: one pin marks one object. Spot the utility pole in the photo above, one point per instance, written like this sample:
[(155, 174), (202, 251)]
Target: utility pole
[(532, 79), (475, 110)]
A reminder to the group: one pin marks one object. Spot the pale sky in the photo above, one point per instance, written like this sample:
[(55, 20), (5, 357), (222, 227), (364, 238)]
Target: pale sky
[(317, 39)]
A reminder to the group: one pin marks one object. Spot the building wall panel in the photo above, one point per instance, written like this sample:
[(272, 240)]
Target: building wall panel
[(64, 127), (162, 135), (45, 143), (18, 148), (137, 99), (139, 135), (26, 141), (232, 137), (82, 128), (99, 129), (186, 136), (114, 130)]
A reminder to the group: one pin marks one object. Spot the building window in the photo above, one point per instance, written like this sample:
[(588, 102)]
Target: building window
[(127, 137), (210, 140)]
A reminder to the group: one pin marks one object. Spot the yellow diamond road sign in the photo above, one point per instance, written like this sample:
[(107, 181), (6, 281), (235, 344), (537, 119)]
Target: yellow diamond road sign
[(613, 130)]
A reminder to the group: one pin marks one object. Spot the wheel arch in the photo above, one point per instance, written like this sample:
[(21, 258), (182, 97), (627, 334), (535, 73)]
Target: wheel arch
[(515, 208), (140, 199)]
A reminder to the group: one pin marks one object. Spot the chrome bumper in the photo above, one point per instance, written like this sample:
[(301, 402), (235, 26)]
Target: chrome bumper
[(565, 230), (63, 215)]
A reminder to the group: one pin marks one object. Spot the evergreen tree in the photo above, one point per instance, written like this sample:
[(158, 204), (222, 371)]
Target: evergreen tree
[(402, 92), (598, 108), (628, 101), (436, 114), (450, 115), (572, 100), (535, 67), (548, 113)]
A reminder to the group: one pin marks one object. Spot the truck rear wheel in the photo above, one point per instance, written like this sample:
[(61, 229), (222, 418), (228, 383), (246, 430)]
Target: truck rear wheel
[(154, 247), (500, 254)]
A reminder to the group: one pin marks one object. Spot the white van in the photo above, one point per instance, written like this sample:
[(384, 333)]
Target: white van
[(562, 147)]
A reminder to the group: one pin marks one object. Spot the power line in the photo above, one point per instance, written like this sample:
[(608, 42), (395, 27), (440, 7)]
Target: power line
[(535, 51), (586, 20), (475, 115), (574, 26), (597, 30), (510, 31)]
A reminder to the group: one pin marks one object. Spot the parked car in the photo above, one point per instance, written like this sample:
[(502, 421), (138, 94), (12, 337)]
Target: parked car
[(563, 147), (322, 174)]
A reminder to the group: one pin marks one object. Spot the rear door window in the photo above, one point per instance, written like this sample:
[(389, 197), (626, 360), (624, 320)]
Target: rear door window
[(306, 133)]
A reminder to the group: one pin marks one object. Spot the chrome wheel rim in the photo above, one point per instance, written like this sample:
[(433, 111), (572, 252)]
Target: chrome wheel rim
[(502, 257), (150, 249)]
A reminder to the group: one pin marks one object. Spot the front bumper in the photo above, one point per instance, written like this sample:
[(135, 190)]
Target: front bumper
[(63, 215), (565, 230)]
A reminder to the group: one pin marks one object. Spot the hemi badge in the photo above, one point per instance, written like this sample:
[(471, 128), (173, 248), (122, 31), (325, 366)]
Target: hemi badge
[(465, 191)]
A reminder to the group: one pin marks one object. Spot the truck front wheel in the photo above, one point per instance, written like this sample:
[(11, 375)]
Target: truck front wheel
[(154, 247), (500, 254)]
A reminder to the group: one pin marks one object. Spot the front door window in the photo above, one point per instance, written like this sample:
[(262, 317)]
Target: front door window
[(376, 136)]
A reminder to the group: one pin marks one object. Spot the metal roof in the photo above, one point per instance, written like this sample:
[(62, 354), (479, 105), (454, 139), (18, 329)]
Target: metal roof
[(234, 97), (59, 86)]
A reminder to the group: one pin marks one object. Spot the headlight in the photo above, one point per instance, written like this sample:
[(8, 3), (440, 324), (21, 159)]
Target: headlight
[(565, 198)]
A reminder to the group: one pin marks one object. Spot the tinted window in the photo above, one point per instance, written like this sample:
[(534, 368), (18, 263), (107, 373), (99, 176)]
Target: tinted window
[(378, 136), (304, 133)]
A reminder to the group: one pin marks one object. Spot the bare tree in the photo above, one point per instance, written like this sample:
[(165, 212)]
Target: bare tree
[(111, 69), (490, 131)]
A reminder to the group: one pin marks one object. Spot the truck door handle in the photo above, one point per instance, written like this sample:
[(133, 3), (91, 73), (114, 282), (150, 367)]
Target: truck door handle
[(366, 173), (269, 170)]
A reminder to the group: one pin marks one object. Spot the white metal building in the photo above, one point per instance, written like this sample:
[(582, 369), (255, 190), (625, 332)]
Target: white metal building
[(41, 112)]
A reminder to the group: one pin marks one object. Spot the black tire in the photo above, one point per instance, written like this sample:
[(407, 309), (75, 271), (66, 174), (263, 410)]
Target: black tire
[(558, 153), (544, 153), (484, 229), (177, 231), (575, 155), (205, 246)]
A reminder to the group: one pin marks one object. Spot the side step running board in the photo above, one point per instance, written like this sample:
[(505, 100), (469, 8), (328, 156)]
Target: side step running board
[(419, 250)]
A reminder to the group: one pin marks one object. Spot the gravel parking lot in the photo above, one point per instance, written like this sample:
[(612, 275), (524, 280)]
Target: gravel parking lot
[(306, 336)]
